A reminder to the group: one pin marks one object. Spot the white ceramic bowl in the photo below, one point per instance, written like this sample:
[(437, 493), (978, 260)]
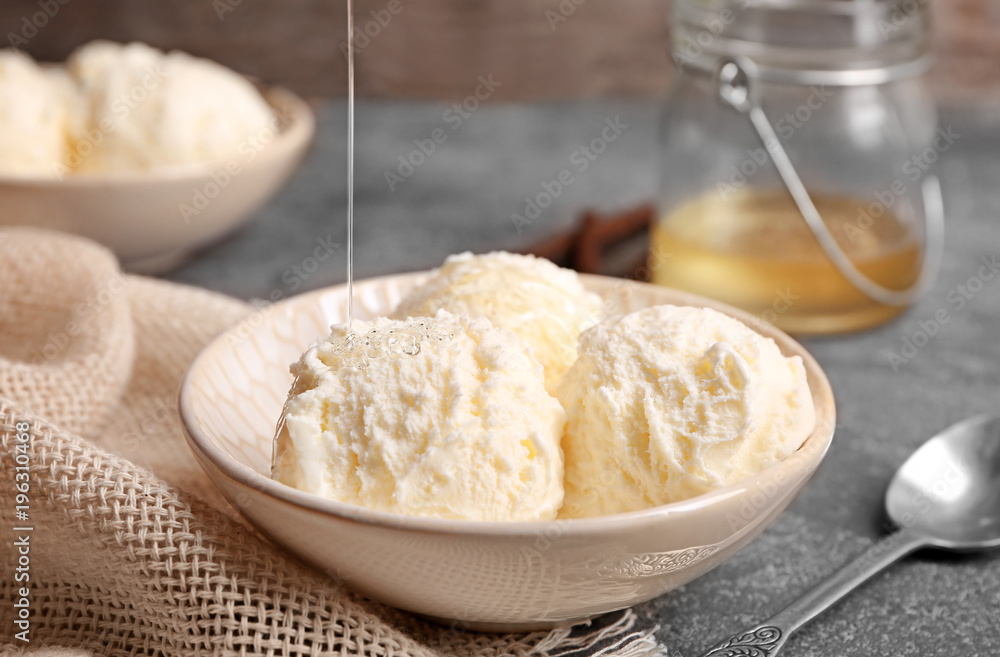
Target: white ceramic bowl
[(487, 575), (139, 215)]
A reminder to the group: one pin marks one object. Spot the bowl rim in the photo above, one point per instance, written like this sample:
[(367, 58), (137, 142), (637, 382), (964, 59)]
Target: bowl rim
[(812, 451), (297, 131)]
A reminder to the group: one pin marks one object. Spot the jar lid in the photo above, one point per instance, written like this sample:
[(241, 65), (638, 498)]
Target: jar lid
[(834, 42)]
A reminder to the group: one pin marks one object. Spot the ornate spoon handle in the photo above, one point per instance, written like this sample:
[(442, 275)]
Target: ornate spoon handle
[(761, 641), (767, 638)]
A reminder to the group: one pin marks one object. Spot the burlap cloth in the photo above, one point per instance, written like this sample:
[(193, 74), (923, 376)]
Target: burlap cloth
[(132, 551)]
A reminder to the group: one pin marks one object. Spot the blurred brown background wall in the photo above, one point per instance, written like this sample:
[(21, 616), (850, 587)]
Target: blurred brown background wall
[(438, 48)]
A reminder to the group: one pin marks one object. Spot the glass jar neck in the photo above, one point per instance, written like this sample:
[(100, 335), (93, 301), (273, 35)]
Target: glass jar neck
[(836, 42)]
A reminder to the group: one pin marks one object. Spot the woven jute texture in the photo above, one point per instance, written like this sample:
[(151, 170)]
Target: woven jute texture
[(130, 549)]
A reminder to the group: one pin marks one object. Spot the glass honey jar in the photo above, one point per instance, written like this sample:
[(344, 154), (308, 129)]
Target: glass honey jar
[(799, 146)]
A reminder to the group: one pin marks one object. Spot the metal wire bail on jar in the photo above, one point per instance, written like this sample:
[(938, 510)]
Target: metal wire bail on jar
[(736, 81)]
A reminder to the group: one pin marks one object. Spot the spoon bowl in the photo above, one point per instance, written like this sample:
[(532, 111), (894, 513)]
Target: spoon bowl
[(948, 491)]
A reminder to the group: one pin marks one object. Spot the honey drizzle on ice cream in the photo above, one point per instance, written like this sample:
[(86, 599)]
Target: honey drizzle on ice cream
[(354, 349), (350, 163), (358, 349), (350, 202)]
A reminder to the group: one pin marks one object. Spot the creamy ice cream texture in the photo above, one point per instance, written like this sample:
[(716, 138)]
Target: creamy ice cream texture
[(145, 108), (544, 305), (35, 119), (444, 417), (671, 402), (449, 417), (117, 107)]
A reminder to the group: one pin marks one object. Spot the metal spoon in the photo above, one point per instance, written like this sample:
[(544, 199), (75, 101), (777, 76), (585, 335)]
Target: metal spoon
[(946, 496)]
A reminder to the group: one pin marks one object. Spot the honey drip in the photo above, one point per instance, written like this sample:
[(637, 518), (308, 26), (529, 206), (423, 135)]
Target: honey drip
[(359, 349)]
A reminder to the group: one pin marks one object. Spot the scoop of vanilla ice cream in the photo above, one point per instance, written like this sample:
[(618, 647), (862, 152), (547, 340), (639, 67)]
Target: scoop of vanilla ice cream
[(146, 109), (544, 305), (34, 117), (671, 402), (444, 417)]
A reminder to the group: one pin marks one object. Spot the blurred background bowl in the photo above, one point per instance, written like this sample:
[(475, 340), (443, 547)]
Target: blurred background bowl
[(486, 575), (153, 219)]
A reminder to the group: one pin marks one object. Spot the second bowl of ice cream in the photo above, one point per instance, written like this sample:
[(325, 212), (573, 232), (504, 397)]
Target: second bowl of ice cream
[(512, 574), (151, 154)]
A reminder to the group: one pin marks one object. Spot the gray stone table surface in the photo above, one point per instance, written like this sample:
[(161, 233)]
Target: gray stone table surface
[(461, 197)]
